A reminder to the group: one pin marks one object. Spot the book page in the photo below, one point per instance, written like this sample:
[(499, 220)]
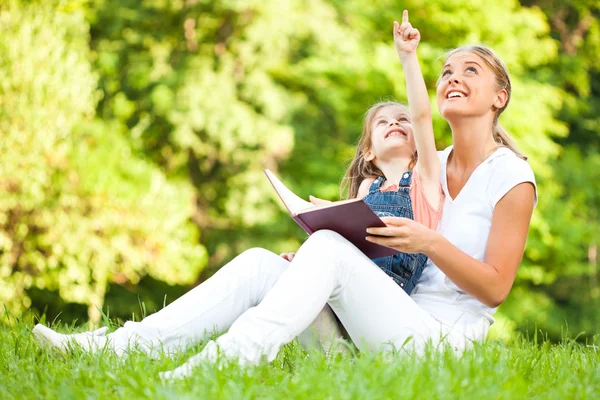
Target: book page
[(331, 204), (292, 202)]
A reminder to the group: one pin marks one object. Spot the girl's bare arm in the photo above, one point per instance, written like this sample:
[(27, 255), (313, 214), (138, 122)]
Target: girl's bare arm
[(407, 39)]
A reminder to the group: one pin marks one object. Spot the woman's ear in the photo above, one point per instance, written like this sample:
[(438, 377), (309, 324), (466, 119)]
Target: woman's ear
[(369, 155), (501, 99)]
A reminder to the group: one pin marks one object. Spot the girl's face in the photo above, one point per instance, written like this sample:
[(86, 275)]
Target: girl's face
[(391, 134), (467, 87)]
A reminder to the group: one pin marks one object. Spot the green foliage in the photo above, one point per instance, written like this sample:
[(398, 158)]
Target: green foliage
[(349, 91), (193, 98), (521, 369), (79, 209), (560, 271)]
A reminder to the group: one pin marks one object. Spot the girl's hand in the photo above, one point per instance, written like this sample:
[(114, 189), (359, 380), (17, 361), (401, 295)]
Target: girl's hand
[(406, 37), (404, 235), (317, 201), (288, 256)]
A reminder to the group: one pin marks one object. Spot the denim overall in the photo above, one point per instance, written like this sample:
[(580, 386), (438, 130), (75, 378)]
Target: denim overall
[(405, 269)]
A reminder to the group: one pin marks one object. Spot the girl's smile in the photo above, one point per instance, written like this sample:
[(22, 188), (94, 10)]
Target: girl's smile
[(392, 131)]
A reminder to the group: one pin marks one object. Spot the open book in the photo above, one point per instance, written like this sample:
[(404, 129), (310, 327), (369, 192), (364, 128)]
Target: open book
[(349, 218)]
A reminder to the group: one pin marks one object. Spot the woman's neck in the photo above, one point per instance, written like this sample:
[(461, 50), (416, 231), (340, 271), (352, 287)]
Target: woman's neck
[(394, 169), (473, 142)]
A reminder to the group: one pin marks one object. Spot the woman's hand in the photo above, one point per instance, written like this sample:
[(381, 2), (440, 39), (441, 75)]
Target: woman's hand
[(404, 235), (288, 256), (406, 37)]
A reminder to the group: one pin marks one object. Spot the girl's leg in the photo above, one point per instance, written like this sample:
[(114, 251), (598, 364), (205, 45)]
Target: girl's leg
[(327, 269)]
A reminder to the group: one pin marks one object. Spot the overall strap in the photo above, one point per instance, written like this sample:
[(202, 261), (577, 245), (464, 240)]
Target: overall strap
[(374, 188), (405, 180)]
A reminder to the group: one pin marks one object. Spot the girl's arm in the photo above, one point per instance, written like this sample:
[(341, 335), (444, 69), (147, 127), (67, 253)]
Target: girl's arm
[(363, 189), (489, 281), (407, 39)]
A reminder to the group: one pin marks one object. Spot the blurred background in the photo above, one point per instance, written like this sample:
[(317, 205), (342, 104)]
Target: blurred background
[(134, 133)]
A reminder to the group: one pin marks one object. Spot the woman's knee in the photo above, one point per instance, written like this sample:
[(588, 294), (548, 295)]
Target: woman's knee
[(261, 260), (326, 236), (326, 241), (257, 253)]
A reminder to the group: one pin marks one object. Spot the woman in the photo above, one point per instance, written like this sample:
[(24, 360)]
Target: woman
[(265, 301)]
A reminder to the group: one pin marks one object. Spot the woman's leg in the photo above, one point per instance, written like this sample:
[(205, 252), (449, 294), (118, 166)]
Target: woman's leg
[(327, 269), (325, 334), (209, 307)]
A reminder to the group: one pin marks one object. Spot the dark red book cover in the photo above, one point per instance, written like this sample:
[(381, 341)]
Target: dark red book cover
[(349, 218)]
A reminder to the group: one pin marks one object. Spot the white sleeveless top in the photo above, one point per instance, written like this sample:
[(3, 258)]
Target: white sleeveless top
[(466, 222)]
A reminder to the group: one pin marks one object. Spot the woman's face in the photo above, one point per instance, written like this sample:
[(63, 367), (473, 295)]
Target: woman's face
[(467, 87), (391, 133)]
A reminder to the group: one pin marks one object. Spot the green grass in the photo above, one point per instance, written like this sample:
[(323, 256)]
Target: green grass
[(493, 370)]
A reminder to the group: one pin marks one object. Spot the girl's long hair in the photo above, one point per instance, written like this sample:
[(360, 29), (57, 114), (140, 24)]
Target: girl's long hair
[(359, 168), (501, 137)]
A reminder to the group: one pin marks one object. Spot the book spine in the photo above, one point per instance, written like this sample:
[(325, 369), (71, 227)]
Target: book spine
[(303, 224)]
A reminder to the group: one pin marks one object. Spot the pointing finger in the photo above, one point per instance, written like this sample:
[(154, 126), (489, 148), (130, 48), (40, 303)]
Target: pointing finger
[(405, 16)]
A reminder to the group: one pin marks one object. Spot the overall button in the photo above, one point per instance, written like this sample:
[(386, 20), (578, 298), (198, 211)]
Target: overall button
[(405, 175)]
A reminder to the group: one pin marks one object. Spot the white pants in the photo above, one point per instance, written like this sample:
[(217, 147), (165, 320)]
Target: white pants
[(265, 302)]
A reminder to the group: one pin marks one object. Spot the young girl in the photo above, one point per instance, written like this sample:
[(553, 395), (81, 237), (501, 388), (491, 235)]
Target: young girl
[(386, 172)]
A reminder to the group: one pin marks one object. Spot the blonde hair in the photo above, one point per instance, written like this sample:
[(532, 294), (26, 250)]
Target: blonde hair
[(359, 168), (501, 137)]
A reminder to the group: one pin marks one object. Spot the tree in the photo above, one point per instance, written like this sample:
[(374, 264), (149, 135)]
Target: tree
[(562, 278), (78, 209)]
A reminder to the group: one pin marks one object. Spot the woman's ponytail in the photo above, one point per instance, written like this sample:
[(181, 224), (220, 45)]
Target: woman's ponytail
[(502, 138)]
